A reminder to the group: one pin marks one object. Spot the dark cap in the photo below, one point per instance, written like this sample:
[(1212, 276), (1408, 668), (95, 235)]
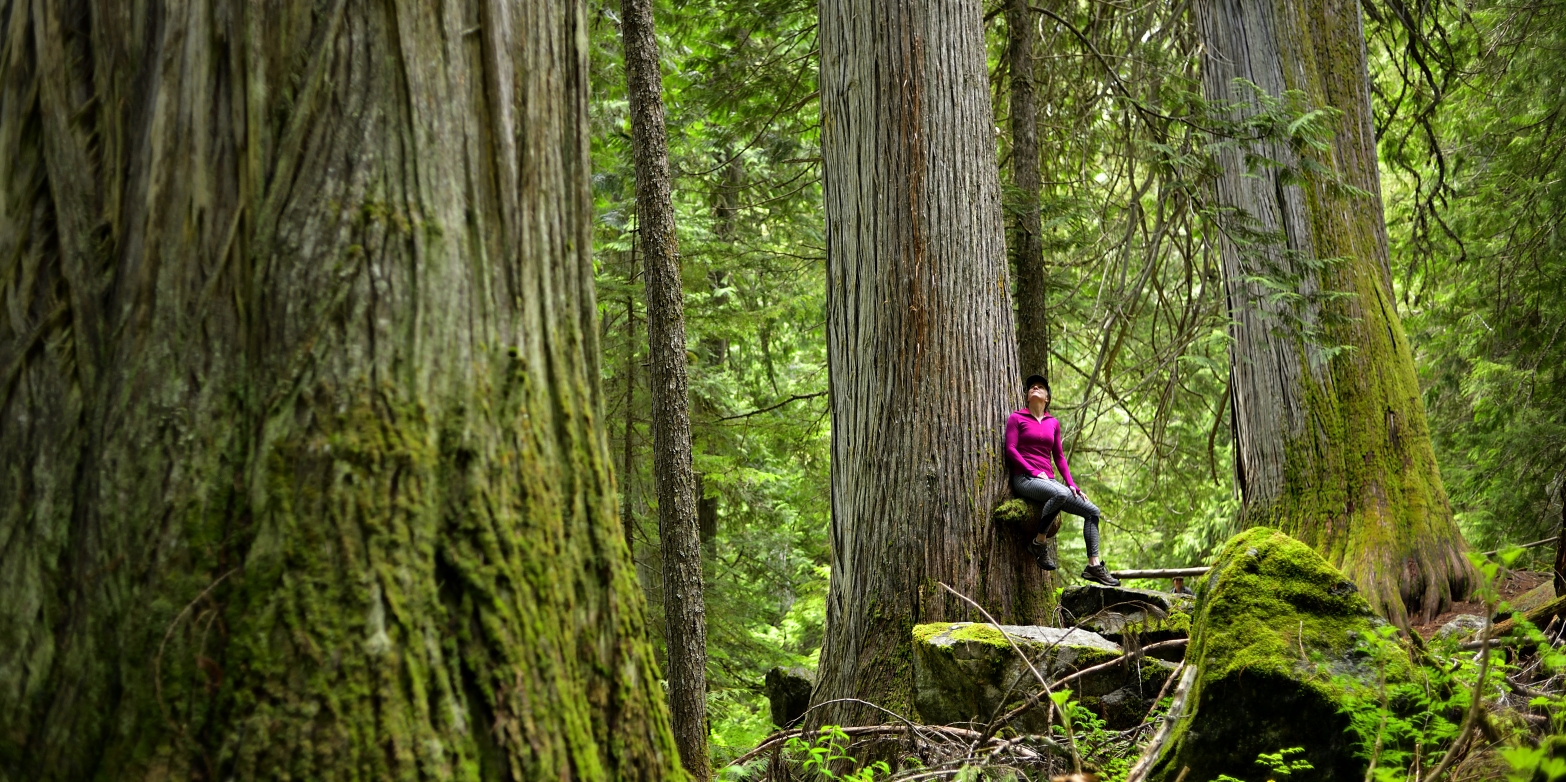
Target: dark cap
[(1035, 380)]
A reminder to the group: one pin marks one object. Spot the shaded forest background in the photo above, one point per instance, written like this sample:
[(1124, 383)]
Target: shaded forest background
[(1467, 103)]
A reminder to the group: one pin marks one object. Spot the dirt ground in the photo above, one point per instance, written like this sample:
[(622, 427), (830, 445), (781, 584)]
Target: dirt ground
[(1513, 585)]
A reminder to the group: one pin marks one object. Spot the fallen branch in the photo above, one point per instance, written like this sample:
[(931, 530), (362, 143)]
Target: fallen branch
[(782, 736), (1534, 544), (1174, 572), (1144, 764), (1034, 699), (1537, 616), (1173, 677), (1071, 740)]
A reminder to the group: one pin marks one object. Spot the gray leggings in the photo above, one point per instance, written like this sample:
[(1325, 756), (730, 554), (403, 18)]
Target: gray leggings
[(1057, 497)]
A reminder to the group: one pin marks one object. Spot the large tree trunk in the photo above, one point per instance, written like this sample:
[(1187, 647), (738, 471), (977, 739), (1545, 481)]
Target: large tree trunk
[(1332, 444), (920, 345), (1027, 239), (303, 471), (674, 480)]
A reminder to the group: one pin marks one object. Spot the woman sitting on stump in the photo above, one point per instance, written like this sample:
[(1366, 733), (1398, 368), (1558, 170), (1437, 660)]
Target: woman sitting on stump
[(1033, 450)]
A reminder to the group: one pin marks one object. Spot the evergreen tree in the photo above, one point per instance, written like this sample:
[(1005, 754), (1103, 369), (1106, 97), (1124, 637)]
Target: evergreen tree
[(673, 476), (304, 474), (920, 342), (1332, 443)]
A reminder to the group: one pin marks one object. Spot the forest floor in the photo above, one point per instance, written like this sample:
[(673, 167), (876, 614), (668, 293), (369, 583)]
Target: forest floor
[(1513, 584)]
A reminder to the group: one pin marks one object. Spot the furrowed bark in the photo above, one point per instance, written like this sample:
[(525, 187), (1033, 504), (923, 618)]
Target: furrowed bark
[(1559, 569), (1332, 446), (673, 476), (920, 342), (1027, 241), (304, 474)]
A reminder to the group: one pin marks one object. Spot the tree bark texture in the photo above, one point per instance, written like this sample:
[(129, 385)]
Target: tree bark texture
[(1559, 568), (1027, 240), (1332, 446), (920, 342), (673, 476), (304, 474)]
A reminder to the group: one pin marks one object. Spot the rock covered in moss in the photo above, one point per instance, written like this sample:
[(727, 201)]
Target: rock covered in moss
[(1119, 612), (966, 673), (1533, 598), (1278, 645)]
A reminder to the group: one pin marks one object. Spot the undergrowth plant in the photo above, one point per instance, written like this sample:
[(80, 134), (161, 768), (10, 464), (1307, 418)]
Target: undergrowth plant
[(1279, 765), (827, 755), (1404, 727)]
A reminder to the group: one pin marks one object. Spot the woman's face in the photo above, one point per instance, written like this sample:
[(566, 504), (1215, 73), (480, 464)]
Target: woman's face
[(1038, 392)]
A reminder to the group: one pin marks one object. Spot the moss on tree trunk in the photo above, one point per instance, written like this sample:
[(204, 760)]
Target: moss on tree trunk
[(304, 474), (1332, 443)]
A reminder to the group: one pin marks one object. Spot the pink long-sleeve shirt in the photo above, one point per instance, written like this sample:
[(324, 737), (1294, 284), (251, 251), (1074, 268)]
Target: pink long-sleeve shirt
[(1033, 446)]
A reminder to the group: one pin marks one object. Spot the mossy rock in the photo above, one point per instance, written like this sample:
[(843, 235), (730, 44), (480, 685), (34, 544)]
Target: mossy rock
[(966, 673), (1533, 598), (1118, 613), (1278, 645)]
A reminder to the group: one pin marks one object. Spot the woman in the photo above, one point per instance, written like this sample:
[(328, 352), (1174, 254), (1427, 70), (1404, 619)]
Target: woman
[(1032, 452)]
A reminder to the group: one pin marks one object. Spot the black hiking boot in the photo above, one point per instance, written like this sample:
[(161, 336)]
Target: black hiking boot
[(1099, 574), (1043, 553)]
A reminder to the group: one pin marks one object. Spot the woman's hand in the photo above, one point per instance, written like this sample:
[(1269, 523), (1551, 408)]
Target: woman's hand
[(1078, 492)]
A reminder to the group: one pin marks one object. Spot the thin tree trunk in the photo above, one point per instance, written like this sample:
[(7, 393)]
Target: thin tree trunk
[(1027, 241), (303, 470), (715, 349), (626, 469), (1560, 545), (1332, 446), (673, 478), (920, 343)]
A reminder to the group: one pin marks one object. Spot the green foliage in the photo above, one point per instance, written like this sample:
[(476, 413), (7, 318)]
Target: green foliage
[(739, 83), (1468, 110), (826, 756), (1139, 354), (1474, 167), (1278, 765), (1400, 724), (1532, 763), (1110, 752)]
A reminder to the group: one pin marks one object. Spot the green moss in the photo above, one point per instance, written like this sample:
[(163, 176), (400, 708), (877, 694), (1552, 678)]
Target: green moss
[(974, 632), (983, 634), (1279, 603), (1279, 640), (1013, 512), (923, 633), (1088, 656)]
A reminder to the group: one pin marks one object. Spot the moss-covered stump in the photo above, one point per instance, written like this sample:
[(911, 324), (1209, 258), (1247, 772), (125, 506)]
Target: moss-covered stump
[(1277, 645), (966, 673), (1122, 614)]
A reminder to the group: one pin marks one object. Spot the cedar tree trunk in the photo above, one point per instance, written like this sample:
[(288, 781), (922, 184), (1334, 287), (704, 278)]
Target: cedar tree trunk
[(673, 476), (1333, 444), (1027, 240), (303, 471), (920, 344)]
